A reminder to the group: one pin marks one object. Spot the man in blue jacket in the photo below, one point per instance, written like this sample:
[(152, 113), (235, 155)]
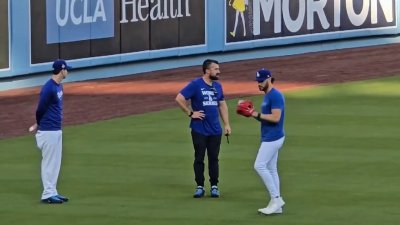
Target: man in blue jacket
[(48, 124)]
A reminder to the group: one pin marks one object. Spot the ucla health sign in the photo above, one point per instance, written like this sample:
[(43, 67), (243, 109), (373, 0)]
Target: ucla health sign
[(76, 29), (75, 20)]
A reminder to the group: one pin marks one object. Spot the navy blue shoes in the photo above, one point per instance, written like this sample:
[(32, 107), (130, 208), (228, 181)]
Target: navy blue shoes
[(62, 198), (214, 192), (199, 192), (52, 200), (57, 199)]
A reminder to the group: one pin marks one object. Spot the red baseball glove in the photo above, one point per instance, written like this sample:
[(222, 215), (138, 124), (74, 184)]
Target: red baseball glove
[(245, 108)]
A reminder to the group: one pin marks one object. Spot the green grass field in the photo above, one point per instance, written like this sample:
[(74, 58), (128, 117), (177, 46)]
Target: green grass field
[(339, 166)]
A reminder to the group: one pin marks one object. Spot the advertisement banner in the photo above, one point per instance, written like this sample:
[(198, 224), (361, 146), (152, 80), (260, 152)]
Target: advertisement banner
[(72, 20), (4, 35), (266, 19), (76, 29)]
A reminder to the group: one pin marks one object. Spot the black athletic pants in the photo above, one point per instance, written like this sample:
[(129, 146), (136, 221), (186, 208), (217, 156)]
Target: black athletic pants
[(211, 145)]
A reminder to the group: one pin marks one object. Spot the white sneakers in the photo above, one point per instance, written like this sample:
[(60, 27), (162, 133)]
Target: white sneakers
[(278, 211), (273, 207)]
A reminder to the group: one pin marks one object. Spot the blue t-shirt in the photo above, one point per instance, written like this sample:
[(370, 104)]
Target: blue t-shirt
[(272, 131), (49, 109), (205, 97)]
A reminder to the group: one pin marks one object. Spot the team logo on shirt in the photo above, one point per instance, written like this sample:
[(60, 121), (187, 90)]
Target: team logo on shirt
[(209, 98), (60, 94)]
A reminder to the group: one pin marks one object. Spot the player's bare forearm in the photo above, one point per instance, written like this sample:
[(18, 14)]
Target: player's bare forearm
[(183, 104), (223, 110), (274, 117)]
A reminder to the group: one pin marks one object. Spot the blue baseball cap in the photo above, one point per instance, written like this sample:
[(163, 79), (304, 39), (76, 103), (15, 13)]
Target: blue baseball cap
[(60, 64), (262, 75)]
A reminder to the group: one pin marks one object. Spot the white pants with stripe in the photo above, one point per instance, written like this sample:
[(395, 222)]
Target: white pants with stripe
[(50, 143), (266, 165)]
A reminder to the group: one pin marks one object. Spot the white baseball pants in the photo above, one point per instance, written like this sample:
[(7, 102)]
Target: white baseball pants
[(50, 143), (266, 166)]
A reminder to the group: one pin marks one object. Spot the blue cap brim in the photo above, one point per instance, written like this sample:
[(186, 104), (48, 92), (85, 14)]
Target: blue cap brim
[(259, 80)]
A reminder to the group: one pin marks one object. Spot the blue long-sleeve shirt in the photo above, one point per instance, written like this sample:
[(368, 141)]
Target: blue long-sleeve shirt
[(49, 109)]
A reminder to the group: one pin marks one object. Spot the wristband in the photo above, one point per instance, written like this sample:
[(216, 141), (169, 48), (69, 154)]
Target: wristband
[(191, 114), (259, 116)]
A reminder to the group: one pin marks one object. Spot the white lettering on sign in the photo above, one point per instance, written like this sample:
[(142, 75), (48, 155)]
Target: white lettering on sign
[(294, 18), (79, 15), (161, 10)]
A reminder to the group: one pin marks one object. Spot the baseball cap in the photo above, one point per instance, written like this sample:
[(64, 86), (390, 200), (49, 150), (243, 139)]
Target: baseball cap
[(60, 64), (262, 75)]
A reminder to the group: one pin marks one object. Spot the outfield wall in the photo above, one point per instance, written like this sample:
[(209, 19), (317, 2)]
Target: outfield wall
[(145, 35)]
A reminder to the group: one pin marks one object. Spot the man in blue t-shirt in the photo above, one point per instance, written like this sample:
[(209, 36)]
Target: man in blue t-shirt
[(48, 124), (271, 118), (207, 105)]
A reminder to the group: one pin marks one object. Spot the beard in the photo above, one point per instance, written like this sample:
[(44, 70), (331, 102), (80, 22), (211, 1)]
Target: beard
[(263, 88), (214, 77), (266, 87)]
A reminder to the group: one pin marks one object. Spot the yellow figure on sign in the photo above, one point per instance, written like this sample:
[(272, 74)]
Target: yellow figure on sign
[(240, 7)]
